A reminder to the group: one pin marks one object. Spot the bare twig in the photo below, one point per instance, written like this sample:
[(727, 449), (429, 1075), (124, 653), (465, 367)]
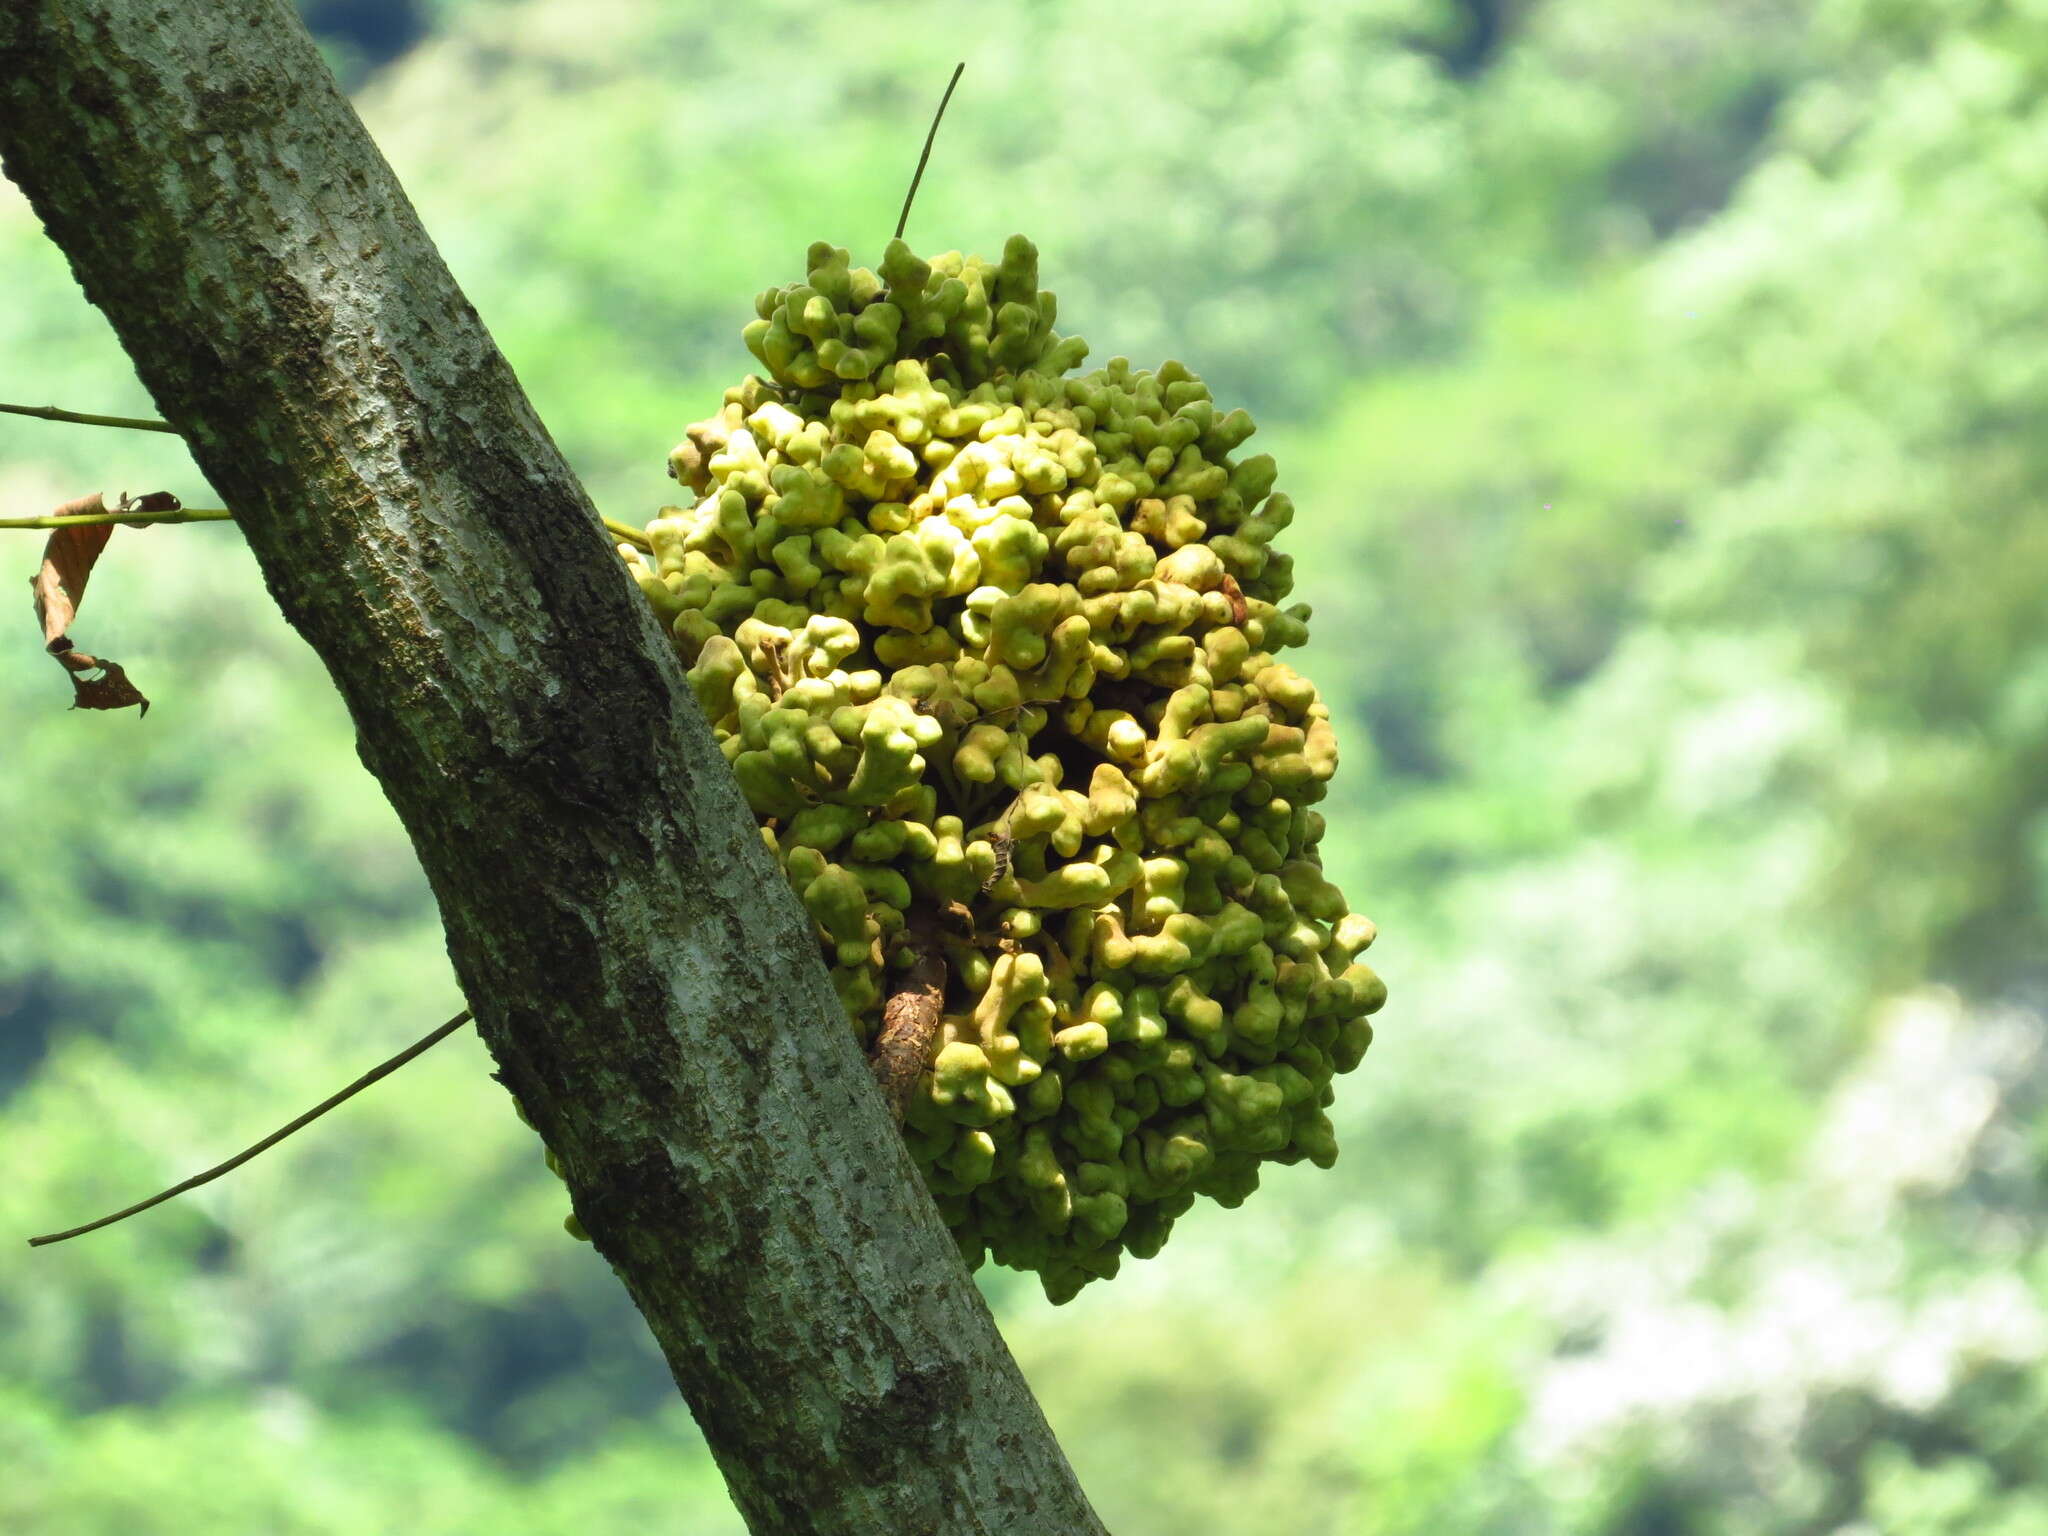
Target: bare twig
[(624, 532), (119, 519), (385, 1069), (53, 413), (903, 218), (910, 1019)]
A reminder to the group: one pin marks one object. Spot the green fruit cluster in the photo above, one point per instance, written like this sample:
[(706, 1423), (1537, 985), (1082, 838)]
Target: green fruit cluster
[(991, 641)]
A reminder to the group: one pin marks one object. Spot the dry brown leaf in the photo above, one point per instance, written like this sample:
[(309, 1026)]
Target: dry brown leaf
[(97, 684), (68, 559)]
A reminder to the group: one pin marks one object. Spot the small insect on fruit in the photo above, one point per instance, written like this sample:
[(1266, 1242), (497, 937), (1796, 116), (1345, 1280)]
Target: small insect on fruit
[(1004, 846)]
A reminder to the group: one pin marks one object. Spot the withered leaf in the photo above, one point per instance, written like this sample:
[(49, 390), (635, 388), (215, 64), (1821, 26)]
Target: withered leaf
[(59, 587), (97, 684)]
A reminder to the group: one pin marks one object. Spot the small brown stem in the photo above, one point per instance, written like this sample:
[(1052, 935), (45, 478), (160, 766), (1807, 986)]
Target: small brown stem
[(910, 1019), (771, 655), (52, 413), (384, 1069)]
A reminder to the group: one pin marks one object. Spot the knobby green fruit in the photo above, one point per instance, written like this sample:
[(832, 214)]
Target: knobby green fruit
[(974, 628)]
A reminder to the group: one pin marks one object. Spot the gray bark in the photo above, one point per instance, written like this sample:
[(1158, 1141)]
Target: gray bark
[(645, 980)]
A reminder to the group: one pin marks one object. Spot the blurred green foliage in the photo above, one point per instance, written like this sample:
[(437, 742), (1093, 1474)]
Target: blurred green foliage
[(1662, 387)]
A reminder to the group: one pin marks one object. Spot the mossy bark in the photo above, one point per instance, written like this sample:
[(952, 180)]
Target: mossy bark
[(645, 980)]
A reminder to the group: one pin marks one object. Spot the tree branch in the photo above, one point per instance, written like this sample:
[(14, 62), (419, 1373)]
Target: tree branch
[(647, 982)]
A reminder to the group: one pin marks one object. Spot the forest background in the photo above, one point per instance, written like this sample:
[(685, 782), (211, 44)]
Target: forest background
[(1664, 389)]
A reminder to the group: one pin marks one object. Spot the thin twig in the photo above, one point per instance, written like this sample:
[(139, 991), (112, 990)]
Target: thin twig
[(103, 519), (52, 413), (625, 532), (354, 1088), (903, 218)]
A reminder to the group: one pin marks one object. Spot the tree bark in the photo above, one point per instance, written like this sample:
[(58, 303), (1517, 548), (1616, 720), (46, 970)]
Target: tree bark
[(646, 982)]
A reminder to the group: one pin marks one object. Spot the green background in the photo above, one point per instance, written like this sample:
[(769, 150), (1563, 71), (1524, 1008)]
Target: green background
[(1664, 389)]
